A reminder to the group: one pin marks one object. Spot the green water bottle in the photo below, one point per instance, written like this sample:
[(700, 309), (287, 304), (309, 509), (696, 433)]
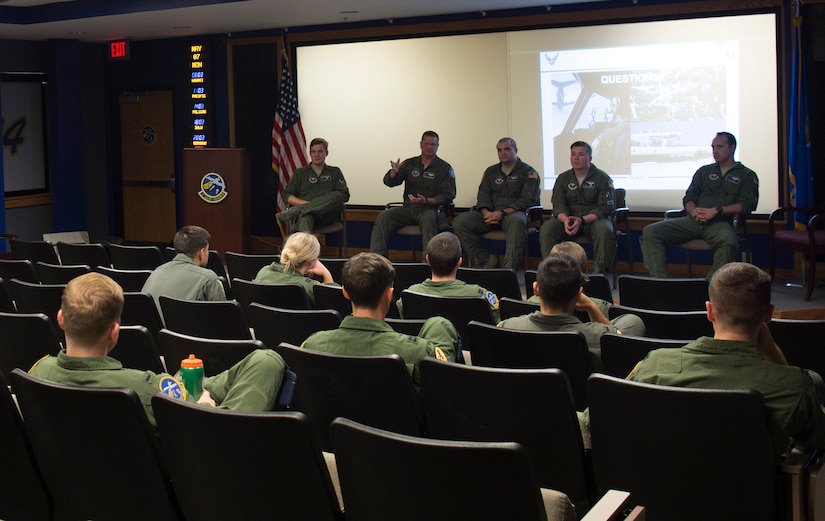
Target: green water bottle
[(191, 372)]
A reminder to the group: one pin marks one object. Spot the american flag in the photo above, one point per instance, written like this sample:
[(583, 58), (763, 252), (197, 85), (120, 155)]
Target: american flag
[(288, 141)]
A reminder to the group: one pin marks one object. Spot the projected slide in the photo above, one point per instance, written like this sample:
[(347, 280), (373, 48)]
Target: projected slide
[(649, 112)]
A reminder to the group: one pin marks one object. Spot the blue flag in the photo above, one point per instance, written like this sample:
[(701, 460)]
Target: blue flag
[(799, 144)]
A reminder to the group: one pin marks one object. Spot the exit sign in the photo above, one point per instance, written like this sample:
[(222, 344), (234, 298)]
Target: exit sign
[(119, 50)]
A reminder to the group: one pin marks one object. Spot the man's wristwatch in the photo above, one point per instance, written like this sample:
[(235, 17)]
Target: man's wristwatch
[(719, 211)]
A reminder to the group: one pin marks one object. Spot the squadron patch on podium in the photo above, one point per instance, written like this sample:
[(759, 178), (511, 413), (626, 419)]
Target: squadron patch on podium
[(213, 188)]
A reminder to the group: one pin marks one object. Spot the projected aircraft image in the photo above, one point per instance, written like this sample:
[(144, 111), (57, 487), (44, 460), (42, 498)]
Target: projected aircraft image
[(647, 125)]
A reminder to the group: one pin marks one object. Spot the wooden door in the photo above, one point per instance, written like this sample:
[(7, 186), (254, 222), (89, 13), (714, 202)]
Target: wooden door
[(147, 166)]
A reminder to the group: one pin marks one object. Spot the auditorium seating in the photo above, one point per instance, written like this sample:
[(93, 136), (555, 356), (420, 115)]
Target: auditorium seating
[(801, 341), (291, 296), (89, 254), (502, 282), (25, 339), (246, 266), (67, 425), (59, 273), (678, 325), (34, 251), (376, 390), (23, 493), (223, 319), (136, 349), (621, 353), (273, 325), (20, 269), (386, 475), (217, 354), (493, 346), (671, 294), (533, 407), (125, 257), (684, 453), (129, 280), (259, 465)]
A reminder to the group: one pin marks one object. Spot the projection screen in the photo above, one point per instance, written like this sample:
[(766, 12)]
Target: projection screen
[(648, 96)]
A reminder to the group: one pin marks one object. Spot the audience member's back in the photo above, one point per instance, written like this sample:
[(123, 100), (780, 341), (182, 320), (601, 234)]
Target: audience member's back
[(186, 275), (443, 254)]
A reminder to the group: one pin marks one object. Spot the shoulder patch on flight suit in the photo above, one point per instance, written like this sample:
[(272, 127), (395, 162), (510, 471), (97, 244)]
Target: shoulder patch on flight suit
[(452, 174), (532, 174), (439, 354), (171, 387), (492, 299)]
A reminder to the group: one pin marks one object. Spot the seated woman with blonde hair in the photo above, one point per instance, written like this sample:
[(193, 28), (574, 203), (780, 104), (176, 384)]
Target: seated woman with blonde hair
[(298, 264)]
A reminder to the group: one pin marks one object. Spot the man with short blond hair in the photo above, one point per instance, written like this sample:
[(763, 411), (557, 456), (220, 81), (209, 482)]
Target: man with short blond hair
[(90, 316), (316, 193)]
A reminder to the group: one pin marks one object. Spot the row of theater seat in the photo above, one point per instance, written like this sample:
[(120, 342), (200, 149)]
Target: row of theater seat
[(508, 343), (683, 453)]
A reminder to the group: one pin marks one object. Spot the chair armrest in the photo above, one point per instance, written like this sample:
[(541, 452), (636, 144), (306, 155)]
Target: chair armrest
[(394, 204), (676, 212), (814, 221), (780, 212), (802, 488), (621, 216), (610, 504), (8, 236), (535, 213)]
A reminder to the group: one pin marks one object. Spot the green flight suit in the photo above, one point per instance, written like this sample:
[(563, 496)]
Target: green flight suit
[(436, 180), (274, 274), (593, 331), (251, 385), (326, 192), (182, 278), (454, 288), (594, 195), (793, 396), (519, 190), (360, 336), (708, 189)]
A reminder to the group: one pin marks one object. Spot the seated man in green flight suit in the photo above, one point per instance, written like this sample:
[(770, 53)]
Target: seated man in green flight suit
[(443, 254), (367, 280), (90, 316)]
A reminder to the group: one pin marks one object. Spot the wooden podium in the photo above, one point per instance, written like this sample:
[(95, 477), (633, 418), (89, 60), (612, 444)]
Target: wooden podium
[(216, 195)]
